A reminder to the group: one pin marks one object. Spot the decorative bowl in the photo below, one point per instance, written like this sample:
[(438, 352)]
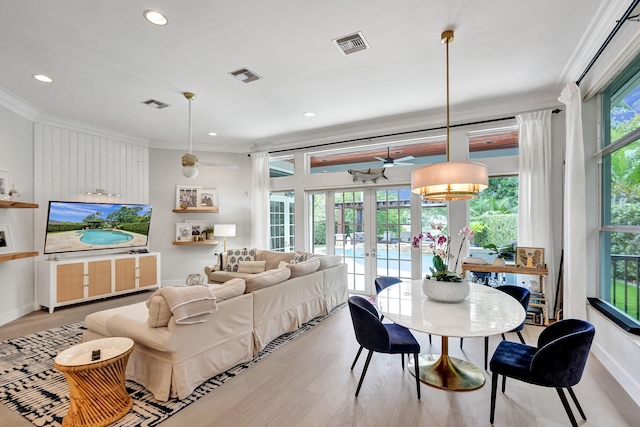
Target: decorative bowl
[(445, 291)]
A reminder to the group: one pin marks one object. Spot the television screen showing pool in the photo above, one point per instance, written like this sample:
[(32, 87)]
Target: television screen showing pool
[(85, 226)]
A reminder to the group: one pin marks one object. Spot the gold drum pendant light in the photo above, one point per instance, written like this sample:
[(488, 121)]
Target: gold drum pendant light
[(449, 180)]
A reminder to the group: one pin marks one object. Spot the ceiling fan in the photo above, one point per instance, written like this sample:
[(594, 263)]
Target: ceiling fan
[(189, 160), (389, 161)]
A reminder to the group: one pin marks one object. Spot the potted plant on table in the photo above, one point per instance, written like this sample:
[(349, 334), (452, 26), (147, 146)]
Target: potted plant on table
[(209, 229), (501, 252), (443, 284)]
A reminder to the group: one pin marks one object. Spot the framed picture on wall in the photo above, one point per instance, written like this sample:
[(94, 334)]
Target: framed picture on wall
[(530, 257), (6, 242), (183, 232), (5, 185), (208, 198), (187, 196)]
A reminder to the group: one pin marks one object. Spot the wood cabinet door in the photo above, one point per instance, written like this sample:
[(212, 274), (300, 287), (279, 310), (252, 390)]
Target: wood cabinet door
[(99, 278), (148, 272), (69, 282), (125, 274)]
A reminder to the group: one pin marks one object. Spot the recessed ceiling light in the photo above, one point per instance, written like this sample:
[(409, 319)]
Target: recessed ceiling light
[(42, 78), (309, 114), (155, 17), (213, 134)]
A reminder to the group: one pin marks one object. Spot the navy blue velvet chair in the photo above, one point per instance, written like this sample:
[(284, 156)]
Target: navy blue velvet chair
[(558, 361), (522, 295), (383, 282), (380, 337)]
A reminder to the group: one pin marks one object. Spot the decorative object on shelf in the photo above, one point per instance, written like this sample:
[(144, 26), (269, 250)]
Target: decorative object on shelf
[(449, 180), (183, 232), (197, 228), (441, 249), (501, 252), (194, 279), (5, 185), (530, 257), (6, 242), (445, 291), (225, 230), (13, 193), (187, 196), (208, 198), (209, 232)]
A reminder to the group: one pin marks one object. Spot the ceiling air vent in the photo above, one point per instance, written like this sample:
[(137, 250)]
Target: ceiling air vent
[(352, 43), (155, 104), (245, 75)]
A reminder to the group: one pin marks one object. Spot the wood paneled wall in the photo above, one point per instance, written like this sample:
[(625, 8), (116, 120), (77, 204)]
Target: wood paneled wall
[(68, 163)]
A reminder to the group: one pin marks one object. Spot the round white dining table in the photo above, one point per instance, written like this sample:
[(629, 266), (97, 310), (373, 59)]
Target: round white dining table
[(486, 311)]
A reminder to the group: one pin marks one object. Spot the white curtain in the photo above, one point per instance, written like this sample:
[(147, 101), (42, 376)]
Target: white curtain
[(260, 200), (575, 239), (535, 225)]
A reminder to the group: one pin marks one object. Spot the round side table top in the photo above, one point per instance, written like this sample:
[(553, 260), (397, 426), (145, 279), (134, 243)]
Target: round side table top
[(81, 354)]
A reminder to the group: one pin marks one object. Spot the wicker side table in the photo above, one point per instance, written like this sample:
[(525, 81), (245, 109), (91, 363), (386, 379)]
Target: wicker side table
[(96, 387)]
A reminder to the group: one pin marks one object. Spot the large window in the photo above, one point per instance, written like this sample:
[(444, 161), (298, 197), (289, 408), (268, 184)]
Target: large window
[(493, 215), (620, 178)]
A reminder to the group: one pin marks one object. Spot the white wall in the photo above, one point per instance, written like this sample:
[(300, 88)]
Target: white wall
[(17, 276), (234, 192)]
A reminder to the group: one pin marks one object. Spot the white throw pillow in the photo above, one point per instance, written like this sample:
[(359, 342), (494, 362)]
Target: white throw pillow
[(283, 264), (234, 256), (251, 266), (304, 268)]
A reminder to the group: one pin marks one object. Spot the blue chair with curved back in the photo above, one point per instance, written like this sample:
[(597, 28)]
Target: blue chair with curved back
[(380, 337), (383, 282), (558, 361), (522, 295)]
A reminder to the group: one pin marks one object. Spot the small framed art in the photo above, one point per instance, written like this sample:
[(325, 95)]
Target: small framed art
[(530, 257), (208, 198), (5, 185), (187, 196), (183, 232), (6, 242), (197, 228)]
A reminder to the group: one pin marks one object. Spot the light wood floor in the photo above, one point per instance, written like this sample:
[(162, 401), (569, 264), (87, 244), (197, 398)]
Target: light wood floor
[(308, 383)]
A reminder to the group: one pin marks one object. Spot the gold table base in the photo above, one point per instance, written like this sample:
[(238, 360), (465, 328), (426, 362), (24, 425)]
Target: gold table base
[(447, 373)]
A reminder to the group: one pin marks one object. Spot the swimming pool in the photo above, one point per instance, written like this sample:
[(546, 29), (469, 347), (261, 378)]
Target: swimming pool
[(104, 237)]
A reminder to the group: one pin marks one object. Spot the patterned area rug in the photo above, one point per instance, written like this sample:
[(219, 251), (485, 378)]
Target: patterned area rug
[(31, 387)]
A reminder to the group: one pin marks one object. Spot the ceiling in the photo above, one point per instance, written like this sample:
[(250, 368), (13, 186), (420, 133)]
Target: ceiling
[(106, 59)]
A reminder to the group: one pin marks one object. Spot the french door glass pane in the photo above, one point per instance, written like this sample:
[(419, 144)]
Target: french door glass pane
[(393, 233), (349, 236)]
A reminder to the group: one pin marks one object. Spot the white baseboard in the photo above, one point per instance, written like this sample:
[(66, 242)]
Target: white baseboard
[(176, 282), (628, 384), (17, 313)]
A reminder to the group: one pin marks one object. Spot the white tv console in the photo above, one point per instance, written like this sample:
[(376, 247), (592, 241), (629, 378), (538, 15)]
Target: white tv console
[(75, 280)]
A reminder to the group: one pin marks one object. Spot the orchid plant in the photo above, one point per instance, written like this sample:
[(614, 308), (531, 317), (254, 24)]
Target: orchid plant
[(440, 244)]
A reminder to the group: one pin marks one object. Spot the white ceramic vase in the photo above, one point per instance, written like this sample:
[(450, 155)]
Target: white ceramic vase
[(445, 291), (498, 262)]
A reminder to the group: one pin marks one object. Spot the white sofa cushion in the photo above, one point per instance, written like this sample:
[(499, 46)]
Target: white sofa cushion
[(266, 278), (159, 312), (251, 266), (328, 261), (303, 268), (229, 289)]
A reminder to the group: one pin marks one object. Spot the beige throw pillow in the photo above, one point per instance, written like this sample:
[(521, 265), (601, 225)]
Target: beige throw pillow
[(234, 256), (159, 313), (283, 264), (303, 268), (229, 289), (251, 266), (266, 278)]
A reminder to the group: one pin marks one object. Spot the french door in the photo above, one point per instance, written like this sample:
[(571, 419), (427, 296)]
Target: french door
[(371, 230)]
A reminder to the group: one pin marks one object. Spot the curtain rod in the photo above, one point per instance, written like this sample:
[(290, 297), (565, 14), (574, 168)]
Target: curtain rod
[(284, 150), (615, 30)]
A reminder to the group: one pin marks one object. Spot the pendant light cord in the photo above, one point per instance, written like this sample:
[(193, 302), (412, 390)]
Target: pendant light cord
[(190, 133), (447, 72)]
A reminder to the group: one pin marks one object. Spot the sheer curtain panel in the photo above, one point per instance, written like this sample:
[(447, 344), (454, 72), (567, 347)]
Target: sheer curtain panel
[(260, 200)]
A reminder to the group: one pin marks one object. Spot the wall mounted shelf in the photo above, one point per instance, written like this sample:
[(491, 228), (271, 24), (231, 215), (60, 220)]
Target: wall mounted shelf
[(200, 242), (8, 204), (212, 210), (17, 255)]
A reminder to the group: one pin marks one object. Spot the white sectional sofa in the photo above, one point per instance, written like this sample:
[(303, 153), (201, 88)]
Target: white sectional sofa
[(171, 360)]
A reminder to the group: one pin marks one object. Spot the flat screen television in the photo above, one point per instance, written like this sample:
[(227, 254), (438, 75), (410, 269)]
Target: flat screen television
[(86, 226)]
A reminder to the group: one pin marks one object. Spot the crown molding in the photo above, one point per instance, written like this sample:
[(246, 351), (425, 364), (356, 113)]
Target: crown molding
[(49, 120), (17, 105)]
